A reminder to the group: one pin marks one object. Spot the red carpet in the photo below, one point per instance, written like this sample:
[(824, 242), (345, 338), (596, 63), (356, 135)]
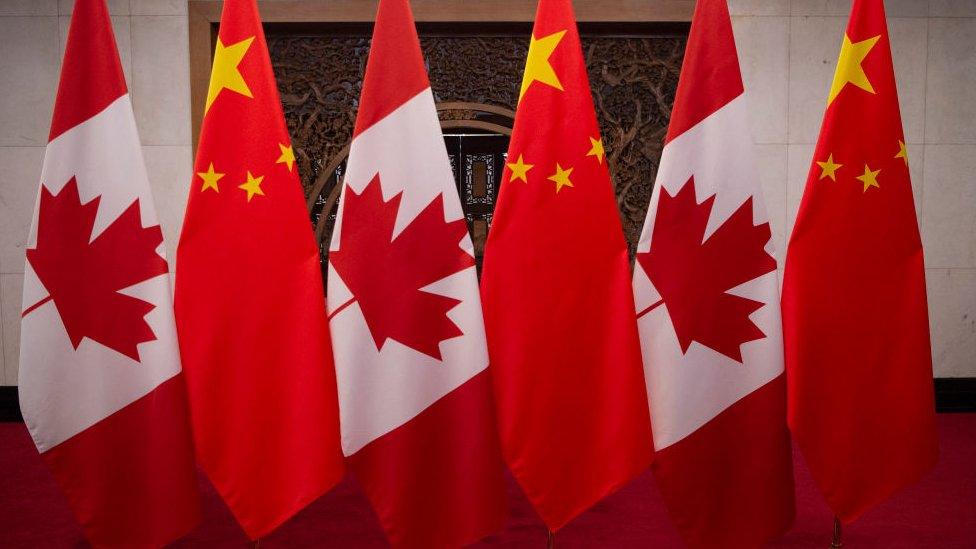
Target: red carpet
[(939, 512)]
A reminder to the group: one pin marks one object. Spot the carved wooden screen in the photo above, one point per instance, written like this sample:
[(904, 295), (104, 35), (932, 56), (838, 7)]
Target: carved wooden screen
[(475, 72), (478, 161)]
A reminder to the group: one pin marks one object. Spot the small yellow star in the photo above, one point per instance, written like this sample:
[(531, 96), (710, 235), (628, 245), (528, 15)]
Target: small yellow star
[(849, 69), (252, 186), (902, 151), (225, 73), (210, 179), (869, 178), (596, 149), (519, 170), (537, 66), (287, 156), (561, 177), (828, 168)]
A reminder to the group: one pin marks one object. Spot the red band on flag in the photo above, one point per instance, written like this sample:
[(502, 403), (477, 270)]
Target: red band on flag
[(723, 466), (89, 56), (710, 74), (107, 470), (417, 458), (395, 71)]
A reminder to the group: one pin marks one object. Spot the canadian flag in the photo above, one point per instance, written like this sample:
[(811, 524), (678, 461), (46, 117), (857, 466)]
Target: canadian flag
[(415, 404), (708, 311), (101, 387)]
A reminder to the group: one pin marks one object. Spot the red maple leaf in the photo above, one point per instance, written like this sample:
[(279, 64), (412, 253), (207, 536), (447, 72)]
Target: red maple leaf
[(693, 275), (83, 276), (386, 274)]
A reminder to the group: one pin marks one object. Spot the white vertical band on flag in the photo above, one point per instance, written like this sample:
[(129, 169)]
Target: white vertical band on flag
[(104, 155), (686, 390), (380, 390), (407, 149)]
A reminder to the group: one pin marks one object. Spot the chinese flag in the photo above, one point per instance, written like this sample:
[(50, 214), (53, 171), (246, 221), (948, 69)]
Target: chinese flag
[(100, 383), (854, 310), (559, 309), (249, 301)]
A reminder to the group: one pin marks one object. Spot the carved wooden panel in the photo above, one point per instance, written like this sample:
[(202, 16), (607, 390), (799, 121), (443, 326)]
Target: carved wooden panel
[(633, 78)]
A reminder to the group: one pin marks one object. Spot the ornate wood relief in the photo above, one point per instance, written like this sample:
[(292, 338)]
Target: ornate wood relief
[(475, 79)]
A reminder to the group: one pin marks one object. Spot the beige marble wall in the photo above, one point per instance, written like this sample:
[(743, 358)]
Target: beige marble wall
[(787, 47), (153, 45)]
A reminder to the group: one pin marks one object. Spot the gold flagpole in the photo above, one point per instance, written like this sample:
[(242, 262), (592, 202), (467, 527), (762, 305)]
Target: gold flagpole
[(836, 542), (551, 540)]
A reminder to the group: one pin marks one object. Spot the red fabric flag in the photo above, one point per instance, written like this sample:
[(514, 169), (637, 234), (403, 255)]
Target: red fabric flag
[(708, 299), (856, 328), (100, 382), (417, 418), (559, 310), (249, 299)]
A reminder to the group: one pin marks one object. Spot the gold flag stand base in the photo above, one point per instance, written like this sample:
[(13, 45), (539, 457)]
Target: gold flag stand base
[(836, 542)]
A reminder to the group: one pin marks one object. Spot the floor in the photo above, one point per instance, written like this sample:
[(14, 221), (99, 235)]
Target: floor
[(939, 512)]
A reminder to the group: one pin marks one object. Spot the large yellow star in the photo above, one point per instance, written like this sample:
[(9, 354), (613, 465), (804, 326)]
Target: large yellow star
[(537, 66), (287, 156), (596, 149), (561, 177), (828, 168), (210, 179), (519, 170), (869, 178), (849, 69), (252, 186), (902, 151), (225, 73)]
